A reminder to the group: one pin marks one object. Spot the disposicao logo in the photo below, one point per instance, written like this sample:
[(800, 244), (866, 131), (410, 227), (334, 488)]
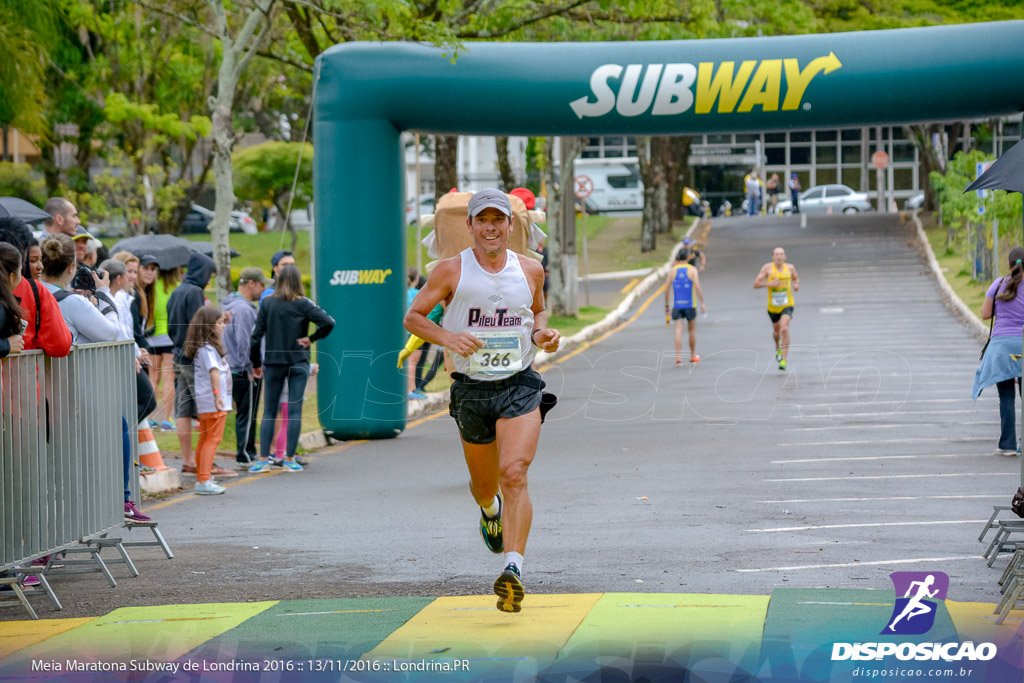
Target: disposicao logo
[(668, 89), (360, 277), (914, 614)]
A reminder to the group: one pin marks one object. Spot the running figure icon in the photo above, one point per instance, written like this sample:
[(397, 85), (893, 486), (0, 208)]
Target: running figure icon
[(915, 606)]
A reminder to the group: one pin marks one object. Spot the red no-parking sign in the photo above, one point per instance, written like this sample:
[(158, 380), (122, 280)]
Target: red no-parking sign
[(584, 186)]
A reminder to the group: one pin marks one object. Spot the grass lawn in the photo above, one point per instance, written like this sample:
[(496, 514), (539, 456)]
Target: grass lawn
[(255, 250), (168, 441)]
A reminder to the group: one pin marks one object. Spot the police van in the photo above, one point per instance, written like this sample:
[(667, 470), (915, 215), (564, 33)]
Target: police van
[(617, 185)]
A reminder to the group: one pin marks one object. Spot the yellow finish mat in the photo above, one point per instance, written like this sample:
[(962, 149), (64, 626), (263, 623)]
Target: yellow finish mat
[(470, 628), (680, 628), (977, 621), (154, 634), (17, 635)]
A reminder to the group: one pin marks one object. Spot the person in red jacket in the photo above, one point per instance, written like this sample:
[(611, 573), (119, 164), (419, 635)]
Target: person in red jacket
[(46, 327)]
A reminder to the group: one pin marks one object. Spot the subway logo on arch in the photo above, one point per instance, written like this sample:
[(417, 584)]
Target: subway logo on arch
[(376, 276), (670, 89)]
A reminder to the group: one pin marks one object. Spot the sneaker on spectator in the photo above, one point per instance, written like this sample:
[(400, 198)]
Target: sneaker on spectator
[(146, 469), (302, 461), (208, 488), (132, 513), (278, 462), (243, 466), (153, 424), (168, 426), (30, 580), (260, 467), (291, 466), (218, 471)]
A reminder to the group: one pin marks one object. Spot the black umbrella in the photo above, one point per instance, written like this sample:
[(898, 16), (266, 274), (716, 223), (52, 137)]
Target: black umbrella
[(170, 251), (22, 210), (1006, 173), (207, 248)]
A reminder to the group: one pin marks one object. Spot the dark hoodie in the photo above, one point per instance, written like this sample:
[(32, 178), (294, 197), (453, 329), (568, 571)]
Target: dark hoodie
[(186, 300)]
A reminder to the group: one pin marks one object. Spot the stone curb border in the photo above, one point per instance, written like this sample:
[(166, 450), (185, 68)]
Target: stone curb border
[(974, 323)]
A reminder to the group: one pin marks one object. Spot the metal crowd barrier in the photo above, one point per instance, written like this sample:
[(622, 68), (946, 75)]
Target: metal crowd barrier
[(61, 463)]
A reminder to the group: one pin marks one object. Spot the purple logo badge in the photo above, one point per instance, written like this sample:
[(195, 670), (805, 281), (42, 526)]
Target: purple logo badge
[(914, 612)]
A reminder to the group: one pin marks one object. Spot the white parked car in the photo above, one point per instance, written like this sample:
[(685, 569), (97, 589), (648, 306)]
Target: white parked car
[(821, 198)]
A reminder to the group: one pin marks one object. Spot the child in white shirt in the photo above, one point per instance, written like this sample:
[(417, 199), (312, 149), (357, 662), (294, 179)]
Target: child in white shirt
[(212, 390)]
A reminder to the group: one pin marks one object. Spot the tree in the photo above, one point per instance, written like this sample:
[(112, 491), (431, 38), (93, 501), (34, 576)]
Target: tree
[(236, 53), (25, 37), (446, 170), (508, 178), (563, 287), (266, 173)]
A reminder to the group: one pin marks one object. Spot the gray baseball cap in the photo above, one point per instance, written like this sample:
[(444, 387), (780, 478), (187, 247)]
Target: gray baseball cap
[(489, 198)]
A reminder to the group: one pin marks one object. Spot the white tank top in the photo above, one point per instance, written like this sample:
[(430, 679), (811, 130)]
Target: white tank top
[(497, 309)]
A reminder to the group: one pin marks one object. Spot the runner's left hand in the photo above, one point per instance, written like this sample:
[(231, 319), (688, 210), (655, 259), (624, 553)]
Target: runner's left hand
[(547, 340)]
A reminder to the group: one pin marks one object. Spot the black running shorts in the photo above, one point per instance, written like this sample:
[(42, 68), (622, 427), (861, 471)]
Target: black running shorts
[(478, 405), (776, 317), (684, 313)]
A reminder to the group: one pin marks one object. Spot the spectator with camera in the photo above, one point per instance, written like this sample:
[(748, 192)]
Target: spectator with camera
[(84, 319)]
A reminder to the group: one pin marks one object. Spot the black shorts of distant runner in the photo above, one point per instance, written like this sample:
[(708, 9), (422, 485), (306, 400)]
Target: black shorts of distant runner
[(776, 317)]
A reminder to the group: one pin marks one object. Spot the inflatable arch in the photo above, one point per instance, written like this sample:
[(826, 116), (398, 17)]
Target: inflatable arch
[(368, 93)]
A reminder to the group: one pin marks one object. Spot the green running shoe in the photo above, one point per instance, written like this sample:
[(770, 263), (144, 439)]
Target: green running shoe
[(509, 589), (778, 355), (782, 365), (490, 528)]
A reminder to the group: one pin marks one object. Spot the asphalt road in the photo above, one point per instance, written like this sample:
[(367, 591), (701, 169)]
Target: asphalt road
[(866, 457)]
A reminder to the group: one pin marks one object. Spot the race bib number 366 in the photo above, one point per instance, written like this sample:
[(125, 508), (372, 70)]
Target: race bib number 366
[(499, 356)]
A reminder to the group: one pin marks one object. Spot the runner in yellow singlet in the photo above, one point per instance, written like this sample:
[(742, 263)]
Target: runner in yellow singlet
[(781, 280)]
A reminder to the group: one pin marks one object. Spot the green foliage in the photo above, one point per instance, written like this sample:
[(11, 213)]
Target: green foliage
[(18, 180), (24, 39), (266, 172), (120, 192), (119, 109), (958, 206)]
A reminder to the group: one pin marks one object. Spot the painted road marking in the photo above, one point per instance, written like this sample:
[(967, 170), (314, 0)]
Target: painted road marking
[(858, 526), (848, 417), (859, 564), (632, 283), (923, 439), (879, 457), (899, 476), (854, 500), (899, 425), (586, 345)]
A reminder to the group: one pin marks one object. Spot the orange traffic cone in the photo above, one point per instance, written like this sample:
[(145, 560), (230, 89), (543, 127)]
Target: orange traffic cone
[(149, 453)]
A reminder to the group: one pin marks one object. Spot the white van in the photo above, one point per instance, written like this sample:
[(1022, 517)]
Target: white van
[(617, 185)]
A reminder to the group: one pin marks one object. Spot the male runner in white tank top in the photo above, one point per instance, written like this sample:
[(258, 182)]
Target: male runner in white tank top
[(494, 317)]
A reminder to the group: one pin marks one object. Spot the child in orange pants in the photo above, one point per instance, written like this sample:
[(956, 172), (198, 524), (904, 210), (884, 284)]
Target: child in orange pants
[(212, 390)]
